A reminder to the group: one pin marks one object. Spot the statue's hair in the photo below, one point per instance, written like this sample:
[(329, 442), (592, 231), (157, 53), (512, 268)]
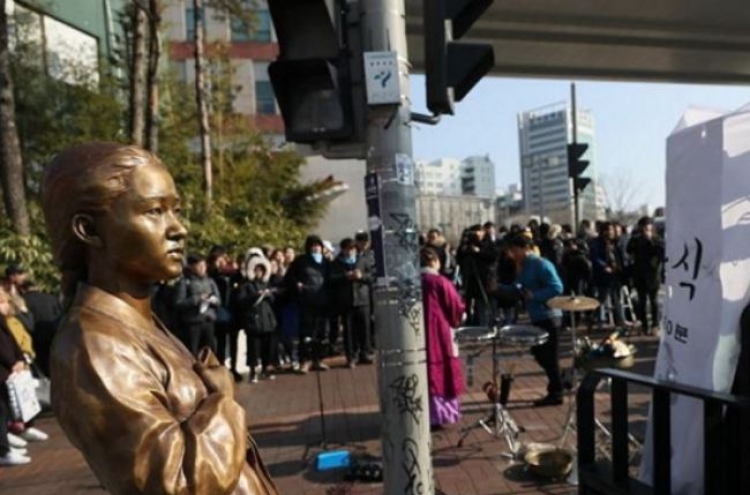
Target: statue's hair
[(85, 178)]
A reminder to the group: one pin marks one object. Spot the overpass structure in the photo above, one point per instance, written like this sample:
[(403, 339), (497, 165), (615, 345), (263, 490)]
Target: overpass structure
[(699, 41)]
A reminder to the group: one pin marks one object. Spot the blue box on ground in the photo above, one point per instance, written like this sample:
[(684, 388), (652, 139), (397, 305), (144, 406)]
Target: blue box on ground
[(332, 460)]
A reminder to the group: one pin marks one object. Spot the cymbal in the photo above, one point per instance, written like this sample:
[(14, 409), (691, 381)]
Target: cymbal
[(573, 303)]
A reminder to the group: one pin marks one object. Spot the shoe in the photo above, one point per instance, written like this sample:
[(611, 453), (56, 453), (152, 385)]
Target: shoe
[(295, 365), (351, 364), (318, 366), (549, 400), (253, 378), (364, 360), (267, 376), (14, 459), (303, 368), (16, 442), (237, 376), (21, 451), (34, 435)]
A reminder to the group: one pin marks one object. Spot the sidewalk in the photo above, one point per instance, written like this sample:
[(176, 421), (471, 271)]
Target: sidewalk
[(285, 419)]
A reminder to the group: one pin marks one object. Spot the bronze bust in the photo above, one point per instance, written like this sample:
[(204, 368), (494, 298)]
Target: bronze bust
[(148, 417)]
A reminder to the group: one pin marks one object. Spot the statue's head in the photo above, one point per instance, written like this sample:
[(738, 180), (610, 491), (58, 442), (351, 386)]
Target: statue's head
[(112, 208)]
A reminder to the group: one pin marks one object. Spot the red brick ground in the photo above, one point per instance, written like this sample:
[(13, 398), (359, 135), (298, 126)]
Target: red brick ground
[(285, 419)]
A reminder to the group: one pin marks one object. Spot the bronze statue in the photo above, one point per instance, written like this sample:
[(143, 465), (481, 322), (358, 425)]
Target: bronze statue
[(148, 417)]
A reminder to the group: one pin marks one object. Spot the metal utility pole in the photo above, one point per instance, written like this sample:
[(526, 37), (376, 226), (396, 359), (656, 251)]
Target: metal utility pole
[(402, 371), (574, 121)]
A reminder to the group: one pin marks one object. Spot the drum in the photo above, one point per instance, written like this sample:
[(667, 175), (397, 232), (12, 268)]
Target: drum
[(474, 335), (522, 335)]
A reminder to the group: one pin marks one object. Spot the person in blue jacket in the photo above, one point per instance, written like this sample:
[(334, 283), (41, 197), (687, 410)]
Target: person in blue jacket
[(537, 282)]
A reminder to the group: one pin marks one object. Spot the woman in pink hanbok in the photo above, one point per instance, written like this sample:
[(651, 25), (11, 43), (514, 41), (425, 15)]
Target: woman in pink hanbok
[(443, 310)]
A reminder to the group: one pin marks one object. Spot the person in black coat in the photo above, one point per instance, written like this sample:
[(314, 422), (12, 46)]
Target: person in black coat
[(225, 273), (195, 300), (349, 283), (254, 303), (306, 278), (647, 252)]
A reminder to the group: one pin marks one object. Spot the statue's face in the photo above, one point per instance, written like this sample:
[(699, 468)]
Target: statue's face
[(142, 236)]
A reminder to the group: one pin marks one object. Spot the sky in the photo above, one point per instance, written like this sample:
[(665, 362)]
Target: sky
[(633, 121)]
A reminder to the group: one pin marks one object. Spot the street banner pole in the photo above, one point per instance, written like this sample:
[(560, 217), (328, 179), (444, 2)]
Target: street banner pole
[(402, 371)]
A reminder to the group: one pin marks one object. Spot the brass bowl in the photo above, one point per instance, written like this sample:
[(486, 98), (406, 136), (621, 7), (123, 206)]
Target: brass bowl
[(553, 463)]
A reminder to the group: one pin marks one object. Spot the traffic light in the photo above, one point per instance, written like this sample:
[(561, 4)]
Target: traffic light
[(576, 166), (452, 69), (311, 76)]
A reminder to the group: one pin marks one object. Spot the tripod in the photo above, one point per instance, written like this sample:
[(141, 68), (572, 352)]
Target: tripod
[(498, 420)]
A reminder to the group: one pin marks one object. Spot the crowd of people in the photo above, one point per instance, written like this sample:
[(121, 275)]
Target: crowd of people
[(496, 273), (297, 309)]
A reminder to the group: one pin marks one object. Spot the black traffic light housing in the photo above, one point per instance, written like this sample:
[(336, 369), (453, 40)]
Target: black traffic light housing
[(452, 69), (576, 166), (311, 77)]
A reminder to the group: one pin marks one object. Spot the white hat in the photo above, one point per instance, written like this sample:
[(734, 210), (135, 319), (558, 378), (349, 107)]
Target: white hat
[(253, 262)]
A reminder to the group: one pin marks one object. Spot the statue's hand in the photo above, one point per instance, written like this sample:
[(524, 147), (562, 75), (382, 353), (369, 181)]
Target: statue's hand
[(216, 377)]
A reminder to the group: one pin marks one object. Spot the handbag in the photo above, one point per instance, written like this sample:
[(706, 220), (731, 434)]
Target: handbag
[(24, 404)]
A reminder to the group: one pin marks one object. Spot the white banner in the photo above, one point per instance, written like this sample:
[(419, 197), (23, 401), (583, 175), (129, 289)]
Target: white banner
[(707, 275)]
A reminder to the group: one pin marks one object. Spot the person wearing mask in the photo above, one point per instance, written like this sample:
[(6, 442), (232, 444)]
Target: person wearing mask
[(443, 311), (536, 283), (196, 300), (350, 293), (647, 253), (306, 278)]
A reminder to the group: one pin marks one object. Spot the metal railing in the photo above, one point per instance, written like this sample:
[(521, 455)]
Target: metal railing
[(726, 423)]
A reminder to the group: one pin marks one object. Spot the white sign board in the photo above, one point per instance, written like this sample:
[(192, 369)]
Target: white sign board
[(707, 275), (382, 78)]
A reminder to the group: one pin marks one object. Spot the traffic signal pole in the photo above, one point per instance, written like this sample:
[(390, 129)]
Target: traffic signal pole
[(402, 371), (574, 120)]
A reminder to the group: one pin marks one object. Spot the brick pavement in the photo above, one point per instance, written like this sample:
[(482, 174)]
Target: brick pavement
[(285, 420)]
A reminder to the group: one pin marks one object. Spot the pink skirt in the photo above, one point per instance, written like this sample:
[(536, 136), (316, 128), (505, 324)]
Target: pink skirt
[(444, 411)]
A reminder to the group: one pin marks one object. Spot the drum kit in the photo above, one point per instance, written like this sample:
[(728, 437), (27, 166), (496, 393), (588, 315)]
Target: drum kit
[(498, 421)]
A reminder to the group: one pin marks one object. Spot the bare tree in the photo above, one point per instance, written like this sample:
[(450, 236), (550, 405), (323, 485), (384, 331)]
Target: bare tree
[(138, 64), (154, 56), (621, 191), (201, 96), (11, 162)]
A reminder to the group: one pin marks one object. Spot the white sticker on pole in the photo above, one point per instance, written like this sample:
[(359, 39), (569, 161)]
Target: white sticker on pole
[(381, 77), (404, 169)]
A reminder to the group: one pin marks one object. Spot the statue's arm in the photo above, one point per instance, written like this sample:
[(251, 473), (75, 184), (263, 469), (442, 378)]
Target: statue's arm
[(120, 416)]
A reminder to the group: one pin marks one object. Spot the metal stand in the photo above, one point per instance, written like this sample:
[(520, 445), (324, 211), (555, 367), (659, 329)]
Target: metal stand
[(498, 420), (570, 422)]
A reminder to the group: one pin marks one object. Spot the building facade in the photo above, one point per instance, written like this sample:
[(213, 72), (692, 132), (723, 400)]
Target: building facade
[(71, 35), (441, 176), (478, 176), (452, 214), (250, 49), (543, 136), (474, 176)]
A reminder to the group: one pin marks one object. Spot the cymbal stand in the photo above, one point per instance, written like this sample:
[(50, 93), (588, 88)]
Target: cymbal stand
[(570, 421)]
